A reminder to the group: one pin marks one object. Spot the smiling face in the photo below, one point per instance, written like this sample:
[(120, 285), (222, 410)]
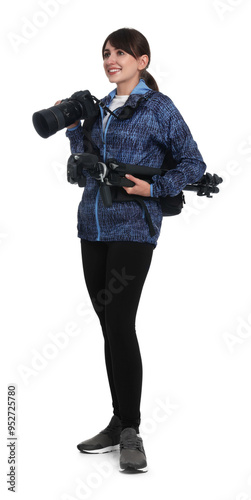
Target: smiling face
[(122, 68)]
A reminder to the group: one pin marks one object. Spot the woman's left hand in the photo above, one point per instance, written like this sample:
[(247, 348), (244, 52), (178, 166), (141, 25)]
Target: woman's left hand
[(141, 188)]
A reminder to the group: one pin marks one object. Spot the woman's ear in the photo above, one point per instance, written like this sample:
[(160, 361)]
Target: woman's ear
[(143, 62)]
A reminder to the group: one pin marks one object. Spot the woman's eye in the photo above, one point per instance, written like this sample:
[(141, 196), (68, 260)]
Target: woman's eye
[(119, 52)]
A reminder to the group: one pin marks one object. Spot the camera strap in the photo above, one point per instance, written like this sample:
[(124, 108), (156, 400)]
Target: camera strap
[(127, 110), (89, 144)]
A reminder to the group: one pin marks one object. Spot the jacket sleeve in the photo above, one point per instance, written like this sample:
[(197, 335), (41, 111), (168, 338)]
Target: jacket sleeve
[(177, 137), (75, 135)]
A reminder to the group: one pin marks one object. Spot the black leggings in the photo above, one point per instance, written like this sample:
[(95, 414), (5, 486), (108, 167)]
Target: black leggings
[(115, 273)]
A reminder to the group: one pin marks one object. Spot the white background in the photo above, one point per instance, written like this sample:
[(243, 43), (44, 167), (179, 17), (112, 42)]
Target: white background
[(194, 321)]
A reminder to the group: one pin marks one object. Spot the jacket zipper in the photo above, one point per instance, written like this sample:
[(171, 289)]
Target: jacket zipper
[(104, 132)]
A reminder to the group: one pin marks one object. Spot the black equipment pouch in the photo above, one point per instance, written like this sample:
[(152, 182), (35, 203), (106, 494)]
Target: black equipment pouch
[(171, 205)]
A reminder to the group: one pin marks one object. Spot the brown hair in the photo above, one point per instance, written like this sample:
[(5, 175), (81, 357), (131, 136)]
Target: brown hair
[(135, 44)]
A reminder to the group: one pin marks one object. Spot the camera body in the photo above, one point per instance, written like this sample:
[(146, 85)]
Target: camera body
[(107, 175), (78, 107), (111, 173), (78, 163)]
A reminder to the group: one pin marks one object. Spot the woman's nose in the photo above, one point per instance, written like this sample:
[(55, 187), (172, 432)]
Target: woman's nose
[(111, 59)]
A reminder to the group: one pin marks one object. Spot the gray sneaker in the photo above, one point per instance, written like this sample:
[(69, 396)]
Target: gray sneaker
[(107, 440), (132, 453)]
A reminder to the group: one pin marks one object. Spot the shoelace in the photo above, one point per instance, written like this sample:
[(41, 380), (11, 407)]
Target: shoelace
[(132, 444)]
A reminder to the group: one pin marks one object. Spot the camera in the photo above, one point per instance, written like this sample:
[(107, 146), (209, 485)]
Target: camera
[(79, 106), (98, 170)]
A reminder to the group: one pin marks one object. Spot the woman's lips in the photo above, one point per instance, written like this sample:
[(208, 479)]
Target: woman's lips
[(113, 71)]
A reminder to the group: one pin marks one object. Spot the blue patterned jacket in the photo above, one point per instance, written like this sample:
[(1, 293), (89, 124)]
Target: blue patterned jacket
[(155, 128)]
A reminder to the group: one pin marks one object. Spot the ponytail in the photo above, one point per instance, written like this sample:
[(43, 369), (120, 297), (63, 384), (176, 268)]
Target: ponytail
[(149, 80)]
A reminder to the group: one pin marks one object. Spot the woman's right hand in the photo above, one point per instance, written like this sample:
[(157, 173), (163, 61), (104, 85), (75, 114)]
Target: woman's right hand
[(73, 124)]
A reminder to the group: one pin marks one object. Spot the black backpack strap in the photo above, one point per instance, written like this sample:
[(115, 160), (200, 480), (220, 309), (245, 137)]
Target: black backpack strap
[(140, 200), (118, 194)]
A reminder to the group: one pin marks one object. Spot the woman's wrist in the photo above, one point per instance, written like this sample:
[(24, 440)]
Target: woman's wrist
[(73, 126)]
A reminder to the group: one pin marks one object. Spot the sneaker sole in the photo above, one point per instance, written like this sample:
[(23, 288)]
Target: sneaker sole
[(132, 470), (101, 450)]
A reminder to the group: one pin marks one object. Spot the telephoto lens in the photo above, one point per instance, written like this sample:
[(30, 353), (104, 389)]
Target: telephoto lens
[(78, 107)]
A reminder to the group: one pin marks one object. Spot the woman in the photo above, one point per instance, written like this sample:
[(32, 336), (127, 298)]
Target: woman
[(116, 243)]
